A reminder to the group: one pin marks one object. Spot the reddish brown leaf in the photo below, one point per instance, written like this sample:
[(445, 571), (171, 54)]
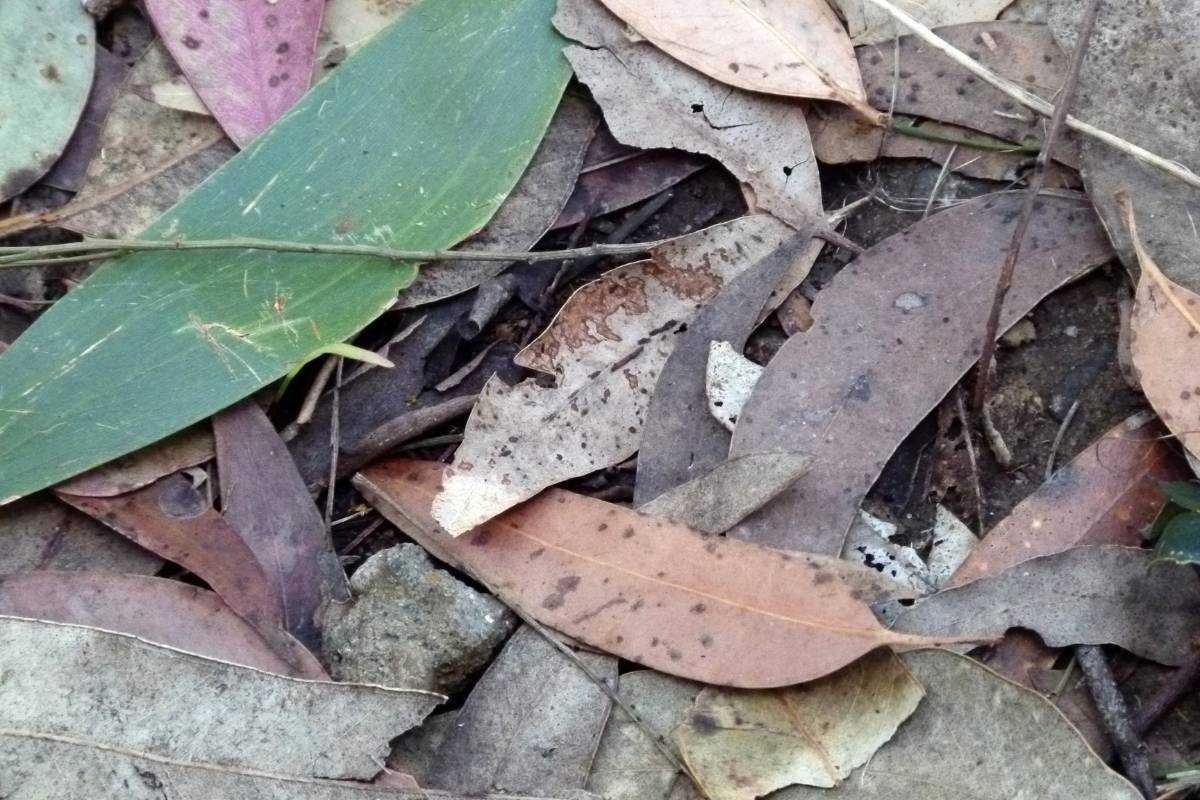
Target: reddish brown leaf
[(707, 608), (175, 521), (143, 467), (166, 612), (1106, 495), (265, 500)]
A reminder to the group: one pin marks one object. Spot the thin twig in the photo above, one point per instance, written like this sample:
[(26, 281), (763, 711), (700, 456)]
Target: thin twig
[(1115, 715), (335, 443), (1066, 98), (1058, 438), (1180, 683), (978, 485), (937, 185), (309, 406), (1034, 102)]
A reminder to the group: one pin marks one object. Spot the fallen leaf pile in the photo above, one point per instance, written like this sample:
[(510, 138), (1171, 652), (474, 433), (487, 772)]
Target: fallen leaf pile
[(592, 398)]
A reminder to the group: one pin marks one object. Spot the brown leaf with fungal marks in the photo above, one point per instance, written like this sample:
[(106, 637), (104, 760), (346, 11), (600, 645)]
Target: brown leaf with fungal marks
[(744, 744), (893, 333), (706, 608), (173, 520), (162, 611), (1108, 494), (1165, 342), (795, 48), (143, 467)]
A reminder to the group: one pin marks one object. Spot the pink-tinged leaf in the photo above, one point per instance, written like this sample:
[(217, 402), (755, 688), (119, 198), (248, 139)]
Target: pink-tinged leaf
[(249, 60)]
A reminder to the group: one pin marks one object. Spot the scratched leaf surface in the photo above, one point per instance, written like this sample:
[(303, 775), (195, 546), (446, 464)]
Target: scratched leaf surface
[(249, 60), (395, 149)]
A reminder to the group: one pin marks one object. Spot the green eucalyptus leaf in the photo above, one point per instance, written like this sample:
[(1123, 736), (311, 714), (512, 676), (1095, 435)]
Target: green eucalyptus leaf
[(1180, 540), (1168, 512), (1183, 493), (412, 143)]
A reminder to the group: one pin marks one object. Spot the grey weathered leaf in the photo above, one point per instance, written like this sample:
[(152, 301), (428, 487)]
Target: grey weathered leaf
[(41, 533), (1088, 595), (530, 726), (849, 390), (651, 100), (115, 691), (976, 735), (1138, 82)]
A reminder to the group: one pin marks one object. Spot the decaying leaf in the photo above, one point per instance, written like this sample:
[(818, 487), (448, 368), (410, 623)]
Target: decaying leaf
[(744, 744), (1165, 343), (680, 441), (265, 500), (47, 58), (347, 24), (249, 62), (42, 533), (920, 81), (602, 189), (1139, 85), (525, 215), (729, 492), (165, 612), (149, 157), (172, 519), (69, 171), (1086, 595), (796, 48), (870, 24), (530, 726), (976, 735), (141, 468), (89, 686), (650, 100), (1107, 495), (606, 348), (654, 593), (849, 390), (628, 765)]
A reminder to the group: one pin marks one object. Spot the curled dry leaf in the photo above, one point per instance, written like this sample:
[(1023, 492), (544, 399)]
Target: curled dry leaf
[(84, 685), (977, 735), (1108, 494), (869, 24), (47, 58), (173, 520), (706, 608), (744, 744), (796, 48), (165, 612), (606, 348), (1165, 343), (1086, 595), (249, 62), (530, 726), (179, 451), (651, 100), (849, 390)]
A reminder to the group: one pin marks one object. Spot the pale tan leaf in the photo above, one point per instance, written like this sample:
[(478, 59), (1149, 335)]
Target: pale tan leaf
[(743, 744), (977, 736), (796, 48), (606, 347), (869, 24)]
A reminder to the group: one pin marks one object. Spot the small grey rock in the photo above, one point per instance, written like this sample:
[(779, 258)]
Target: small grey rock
[(412, 626)]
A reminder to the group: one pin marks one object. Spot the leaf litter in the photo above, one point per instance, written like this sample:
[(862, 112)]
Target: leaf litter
[(725, 130)]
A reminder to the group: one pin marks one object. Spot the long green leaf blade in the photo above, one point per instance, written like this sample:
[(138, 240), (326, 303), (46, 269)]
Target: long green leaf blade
[(411, 143)]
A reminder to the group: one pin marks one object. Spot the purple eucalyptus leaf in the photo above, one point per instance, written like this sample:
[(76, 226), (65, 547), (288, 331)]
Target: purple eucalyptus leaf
[(249, 60)]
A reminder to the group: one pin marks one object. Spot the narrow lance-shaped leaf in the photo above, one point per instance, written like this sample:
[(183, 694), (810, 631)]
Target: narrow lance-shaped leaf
[(394, 149)]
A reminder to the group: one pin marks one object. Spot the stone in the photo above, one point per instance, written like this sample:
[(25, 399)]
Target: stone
[(412, 626)]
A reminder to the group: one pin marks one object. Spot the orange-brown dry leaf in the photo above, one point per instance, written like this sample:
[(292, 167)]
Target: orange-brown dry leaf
[(141, 468), (707, 608), (1107, 495), (796, 48)]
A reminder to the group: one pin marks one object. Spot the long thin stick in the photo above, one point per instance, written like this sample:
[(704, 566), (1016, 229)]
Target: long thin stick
[(1033, 101), (1070, 86), (1114, 713)]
